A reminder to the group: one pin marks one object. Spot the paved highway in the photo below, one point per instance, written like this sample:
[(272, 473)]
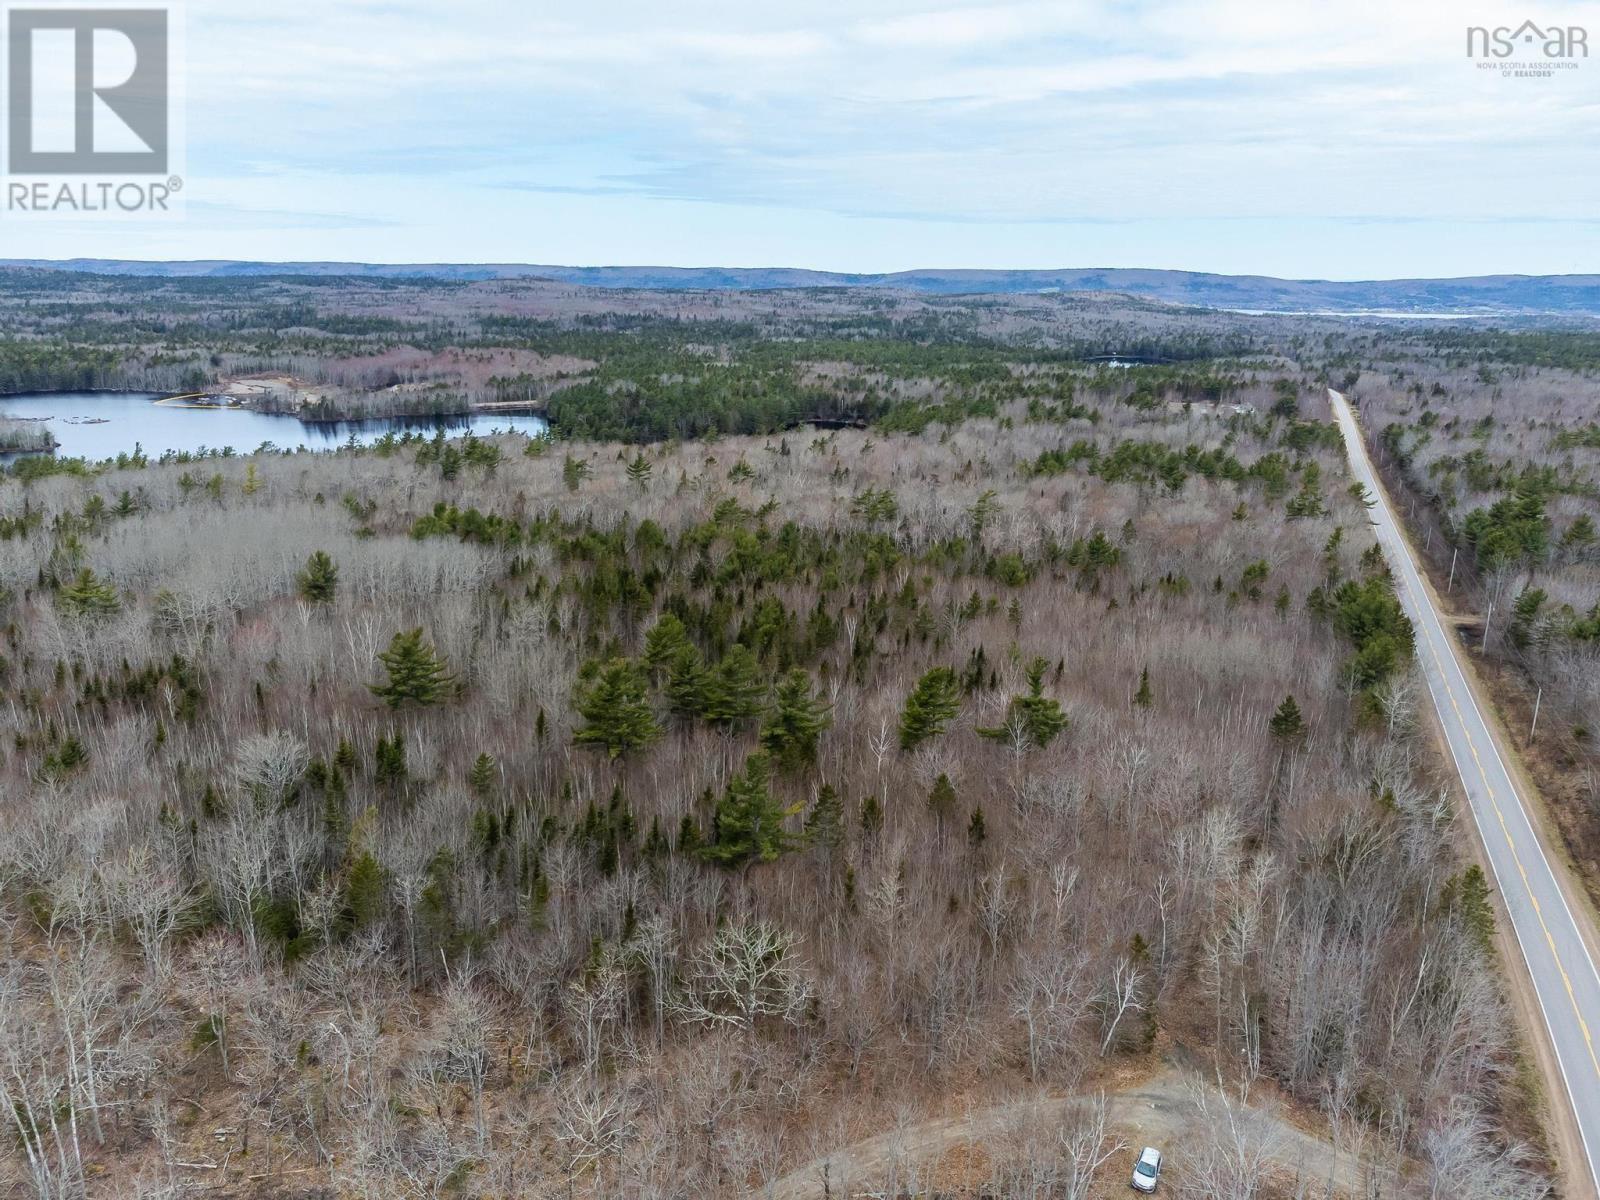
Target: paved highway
[(1557, 956)]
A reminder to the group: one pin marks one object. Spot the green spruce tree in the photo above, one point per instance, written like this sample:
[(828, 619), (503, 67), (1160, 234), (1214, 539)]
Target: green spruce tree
[(1035, 716), (320, 579), (665, 641), (932, 705), (688, 684), (573, 472), (870, 816), (615, 705), (87, 596), (1287, 725), (794, 723), (942, 801), (1144, 697), (417, 673), (825, 821), (736, 691), (482, 776), (389, 760), (1466, 897), (365, 887), (748, 825)]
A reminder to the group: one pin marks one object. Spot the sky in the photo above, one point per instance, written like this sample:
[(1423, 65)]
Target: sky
[(1341, 140)]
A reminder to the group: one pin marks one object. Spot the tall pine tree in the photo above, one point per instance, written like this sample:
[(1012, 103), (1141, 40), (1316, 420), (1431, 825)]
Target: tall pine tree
[(942, 800), (825, 821), (794, 722), (1144, 697), (417, 674), (748, 825), (688, 683), (736, 691), (665, 641), (615, 706), (932, 705), (1287, 725), (320, 579), (87, 596), (1035, 716)]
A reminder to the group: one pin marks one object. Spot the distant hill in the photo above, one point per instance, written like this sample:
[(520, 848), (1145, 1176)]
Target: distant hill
[(1480, 295)]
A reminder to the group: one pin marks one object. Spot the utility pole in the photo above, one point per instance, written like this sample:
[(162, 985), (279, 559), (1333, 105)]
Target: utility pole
[(1488, 627), (1534, 728), (1451, 585)]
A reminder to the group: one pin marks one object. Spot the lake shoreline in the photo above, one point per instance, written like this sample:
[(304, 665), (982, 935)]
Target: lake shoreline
[(307, 414), (101, 424)]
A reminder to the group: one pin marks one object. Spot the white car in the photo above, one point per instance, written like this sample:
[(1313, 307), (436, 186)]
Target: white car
[(1147, 1171)]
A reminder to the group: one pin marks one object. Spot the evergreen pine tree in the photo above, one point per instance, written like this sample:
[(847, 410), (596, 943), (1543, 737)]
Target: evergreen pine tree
[(655, 842), (942, 800), (335, 825), (795, 722), (982, 512), (1038, 716), (639, 471), (749, 819), (1144, 697), (86, 596), (364, 890), (736, 690), (932, 704), (574, 471), (320, 579), (1579, 537), (389, 759), (614, 703), (1287, 724), (688, 683), (449, 462), (665, 641), (481, 779), (688, 835), (825, 821), (871, 816), (977, 831), (1524, 630), (416, 672), (1466, 896)]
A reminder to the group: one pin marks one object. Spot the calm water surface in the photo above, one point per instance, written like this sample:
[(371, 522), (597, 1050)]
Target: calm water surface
[(97, 425)]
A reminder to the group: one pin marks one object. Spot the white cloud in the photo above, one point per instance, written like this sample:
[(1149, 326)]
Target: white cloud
[(1084, 110)]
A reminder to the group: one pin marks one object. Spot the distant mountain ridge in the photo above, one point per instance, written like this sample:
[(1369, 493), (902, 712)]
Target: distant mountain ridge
[(1480, 294)]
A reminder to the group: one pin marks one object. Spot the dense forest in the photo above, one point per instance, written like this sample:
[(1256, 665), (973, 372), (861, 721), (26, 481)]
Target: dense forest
[(657, 816), (640, 367), (1502, 467)]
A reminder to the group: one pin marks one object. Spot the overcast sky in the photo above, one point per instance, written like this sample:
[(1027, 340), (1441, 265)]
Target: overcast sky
[(1285, 137)]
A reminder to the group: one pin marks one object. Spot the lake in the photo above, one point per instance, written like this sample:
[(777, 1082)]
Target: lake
[(96, 425)]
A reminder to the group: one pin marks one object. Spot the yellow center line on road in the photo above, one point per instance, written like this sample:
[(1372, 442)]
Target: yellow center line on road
[(1488, 790), (1434, 634)]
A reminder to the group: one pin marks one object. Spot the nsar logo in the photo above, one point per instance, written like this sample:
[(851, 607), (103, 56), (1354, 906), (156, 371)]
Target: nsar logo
[(1528, 51)]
